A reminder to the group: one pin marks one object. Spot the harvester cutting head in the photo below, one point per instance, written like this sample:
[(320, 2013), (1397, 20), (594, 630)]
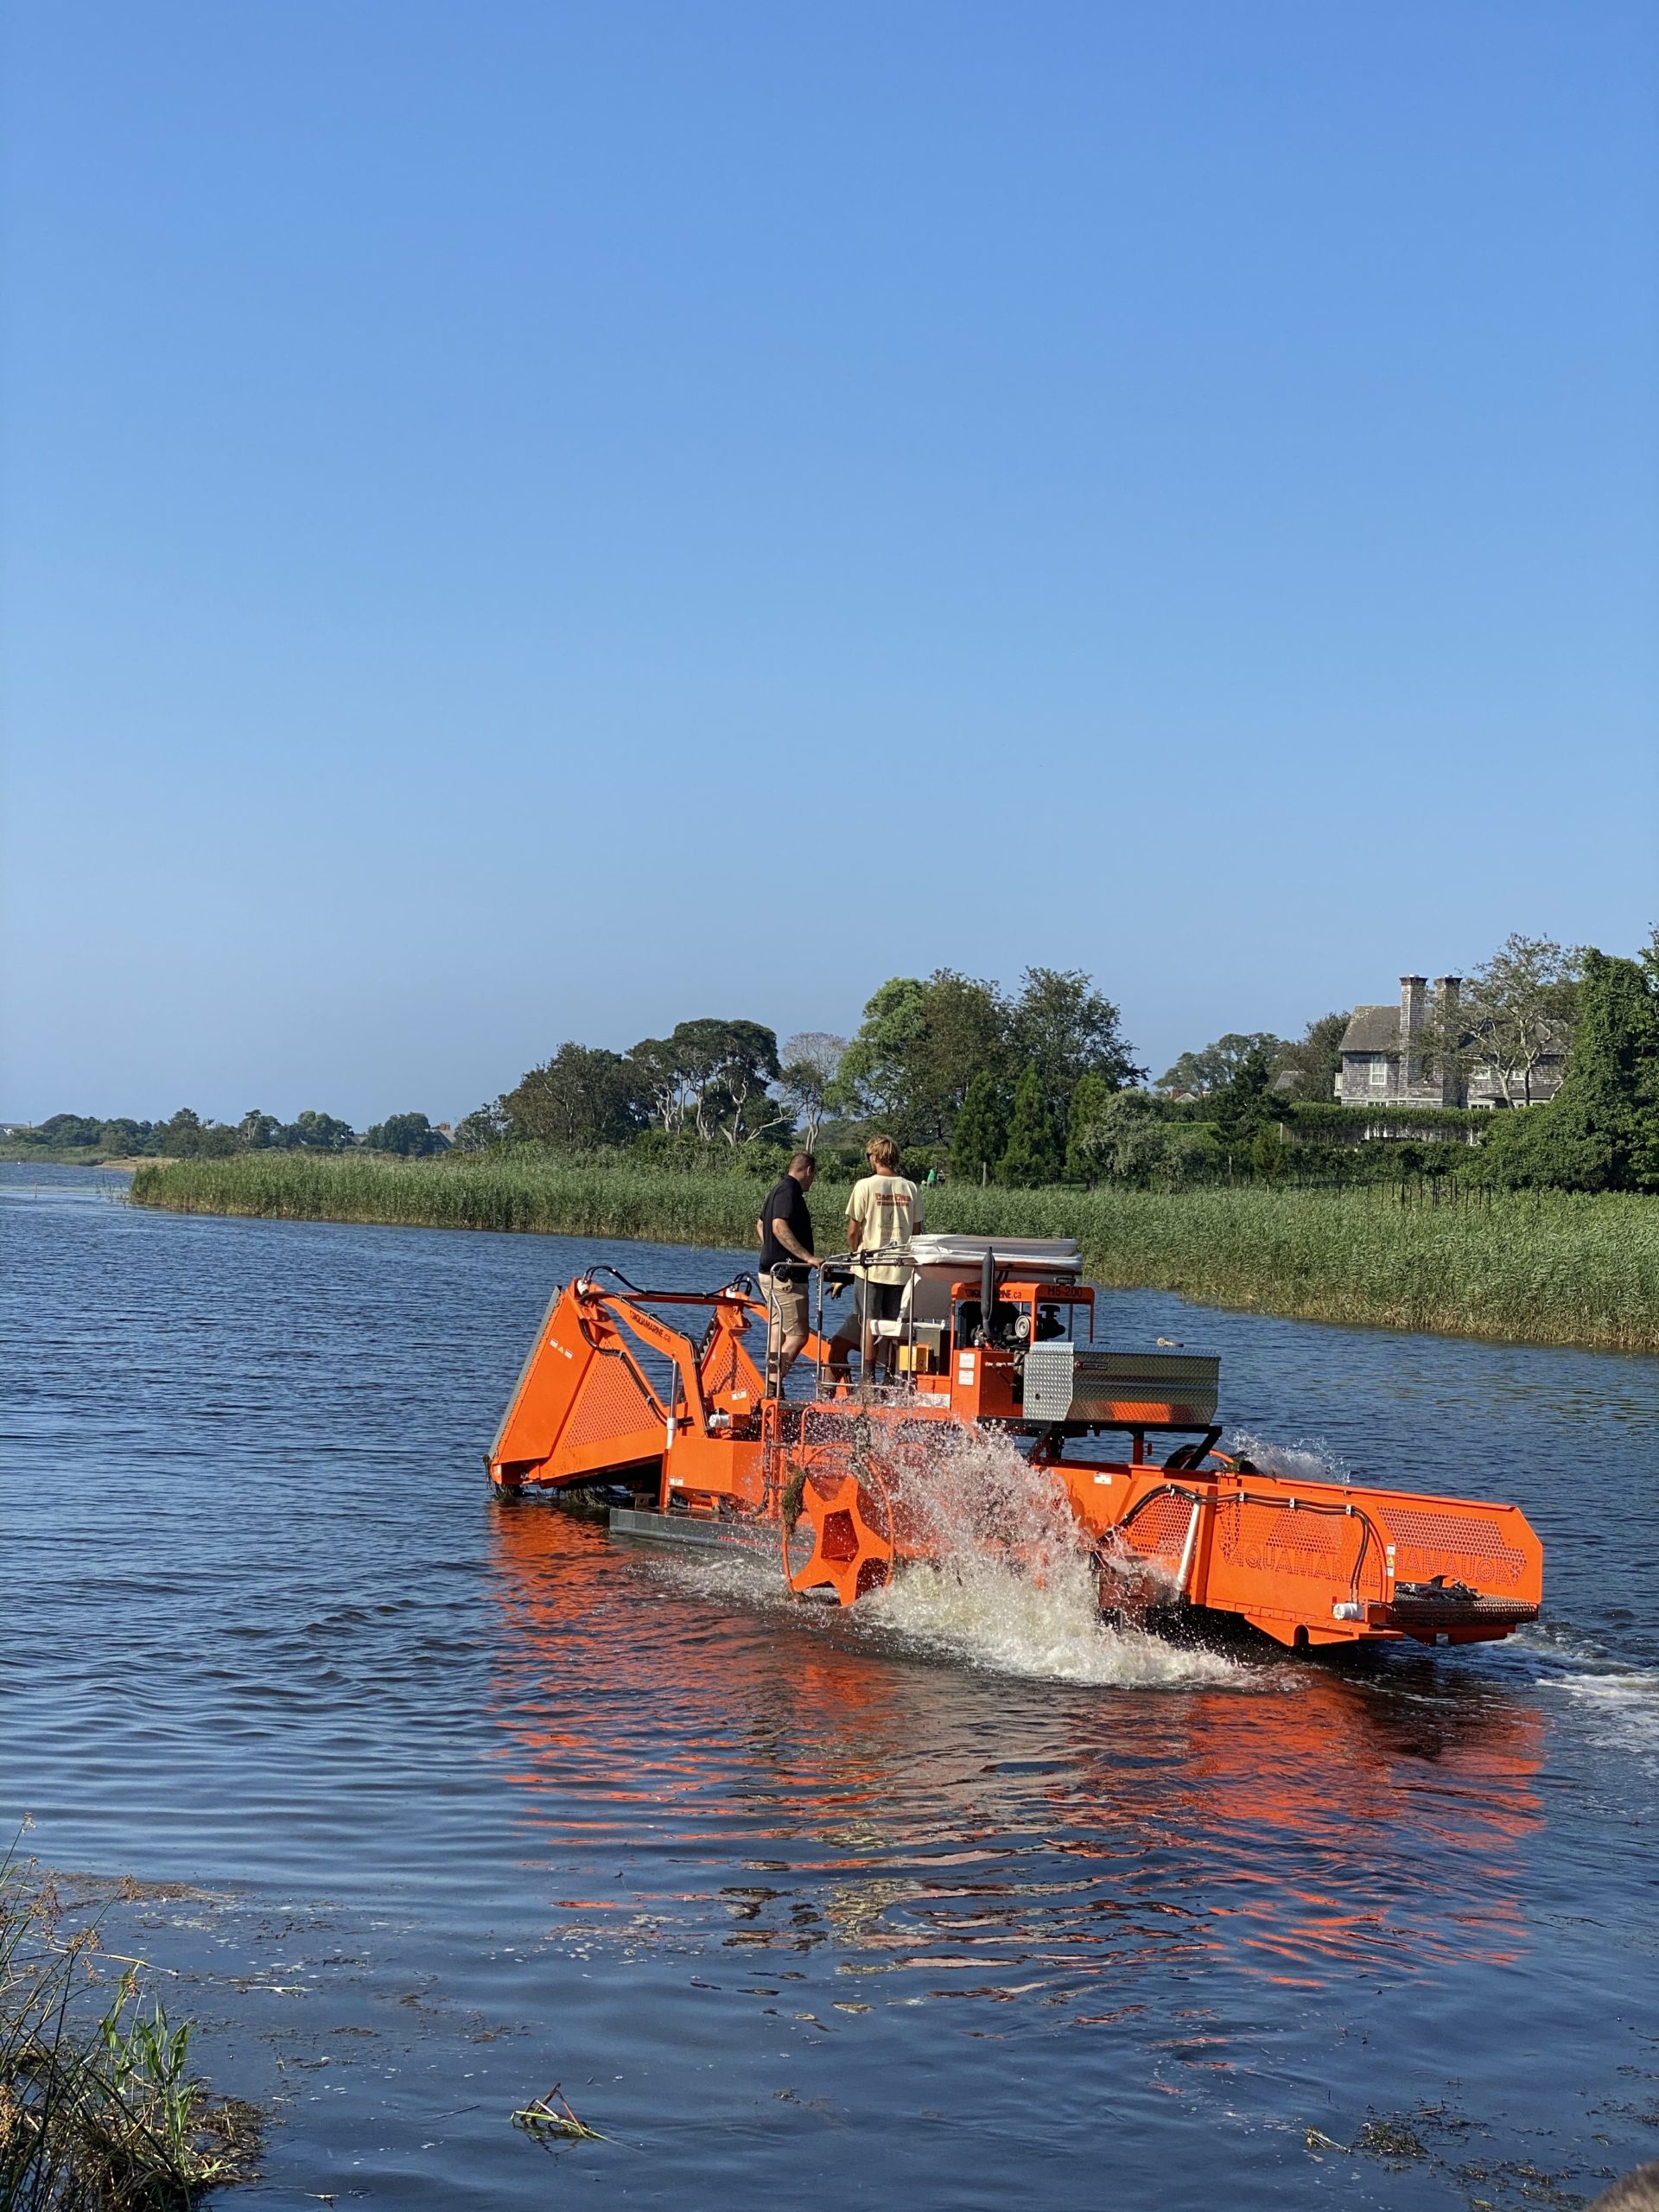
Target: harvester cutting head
[(995, 1336)]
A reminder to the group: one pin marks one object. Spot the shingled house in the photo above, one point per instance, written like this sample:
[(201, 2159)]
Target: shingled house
[(1381, 1064)]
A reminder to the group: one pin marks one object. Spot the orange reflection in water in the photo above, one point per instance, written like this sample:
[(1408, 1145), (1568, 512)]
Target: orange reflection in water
[(776, 1780)]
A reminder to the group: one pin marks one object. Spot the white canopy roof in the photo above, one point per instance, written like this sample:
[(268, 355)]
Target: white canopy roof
[(1049, 1256)]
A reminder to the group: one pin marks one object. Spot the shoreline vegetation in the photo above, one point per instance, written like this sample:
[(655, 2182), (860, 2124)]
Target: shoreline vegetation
[(1543, 1268), (99, 2110)]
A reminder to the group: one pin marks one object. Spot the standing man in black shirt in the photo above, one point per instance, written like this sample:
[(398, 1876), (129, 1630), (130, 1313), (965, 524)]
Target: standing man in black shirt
[(787, 1256)]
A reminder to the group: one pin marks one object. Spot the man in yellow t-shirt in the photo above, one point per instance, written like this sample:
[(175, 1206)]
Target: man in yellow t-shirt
[(883, 1213)]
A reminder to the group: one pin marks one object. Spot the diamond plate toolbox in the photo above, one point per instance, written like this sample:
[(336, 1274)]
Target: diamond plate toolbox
[(1155, 1390)]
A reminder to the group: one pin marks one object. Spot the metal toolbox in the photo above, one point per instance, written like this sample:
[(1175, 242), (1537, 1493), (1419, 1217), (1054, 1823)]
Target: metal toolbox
[(1138, 1390)]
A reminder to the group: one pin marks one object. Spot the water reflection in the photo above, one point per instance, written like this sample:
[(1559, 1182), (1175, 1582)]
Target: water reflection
[(933, 1831), (514, 1806)]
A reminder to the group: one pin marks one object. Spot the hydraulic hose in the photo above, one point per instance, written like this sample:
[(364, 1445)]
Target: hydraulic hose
[(1347, 1511)]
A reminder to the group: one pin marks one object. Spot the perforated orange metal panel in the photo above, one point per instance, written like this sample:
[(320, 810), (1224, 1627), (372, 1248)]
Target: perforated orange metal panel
[(1473, 1546), (1159, 1530), (613, 1401), (723, 1370)]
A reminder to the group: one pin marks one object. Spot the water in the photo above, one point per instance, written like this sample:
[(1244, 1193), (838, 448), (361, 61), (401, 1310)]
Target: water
[(954, 1901)]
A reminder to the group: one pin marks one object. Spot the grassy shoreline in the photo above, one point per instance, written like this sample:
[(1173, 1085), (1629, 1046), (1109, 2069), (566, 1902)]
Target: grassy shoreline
[(1548, 1267), (98, 2108)]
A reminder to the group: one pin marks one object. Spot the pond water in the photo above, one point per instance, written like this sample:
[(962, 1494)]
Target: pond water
[(432, 1802)]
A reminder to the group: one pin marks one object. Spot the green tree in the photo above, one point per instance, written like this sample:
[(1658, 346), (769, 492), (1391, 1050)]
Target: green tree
[(483, 1127), (965, 1033), (259, 1132), (1213, 1069), (1241, 1106), (1061, 1025), (917, 1049), (1601, 1133), (186, 1136), (921, 1046), (410, 1136), (981, 1131), (1314, 1061), (748, 1066), (583, 1096), (1510, 1015), (1087, 1104), (315, 1131), (697, 1048), (61, 1131), (876, 1076), (722, 1070), (659, 1079), (1032, 1154)]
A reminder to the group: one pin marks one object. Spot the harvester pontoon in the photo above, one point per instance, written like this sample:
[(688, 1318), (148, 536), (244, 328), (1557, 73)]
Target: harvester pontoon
[(663, 1397)]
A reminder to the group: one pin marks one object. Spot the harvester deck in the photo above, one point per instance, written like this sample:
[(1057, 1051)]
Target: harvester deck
[(835, 1488)]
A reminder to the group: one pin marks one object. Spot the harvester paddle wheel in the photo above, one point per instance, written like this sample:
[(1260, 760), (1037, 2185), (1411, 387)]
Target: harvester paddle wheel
[(841, 1534)]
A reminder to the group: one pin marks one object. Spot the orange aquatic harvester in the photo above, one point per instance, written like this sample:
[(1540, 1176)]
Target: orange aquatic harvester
[(662, 1395)]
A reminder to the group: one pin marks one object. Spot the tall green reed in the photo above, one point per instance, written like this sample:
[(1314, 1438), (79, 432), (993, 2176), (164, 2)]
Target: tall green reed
[(1545, 1267)]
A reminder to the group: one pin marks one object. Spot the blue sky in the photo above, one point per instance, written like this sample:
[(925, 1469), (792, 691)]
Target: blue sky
[(536, 521)]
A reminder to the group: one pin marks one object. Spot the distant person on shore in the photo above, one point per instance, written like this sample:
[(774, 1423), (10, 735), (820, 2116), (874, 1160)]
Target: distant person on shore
[(786, 1259), (883, 1214)]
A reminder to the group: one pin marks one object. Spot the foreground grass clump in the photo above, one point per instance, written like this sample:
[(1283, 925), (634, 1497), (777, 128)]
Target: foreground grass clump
[(1539, 1267), (98, 2110)]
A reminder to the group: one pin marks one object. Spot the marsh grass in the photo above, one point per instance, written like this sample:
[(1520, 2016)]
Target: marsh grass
[(99, 2109), (1539, 1267)]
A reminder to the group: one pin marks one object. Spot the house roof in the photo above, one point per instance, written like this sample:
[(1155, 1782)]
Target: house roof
[(1372, 1029)]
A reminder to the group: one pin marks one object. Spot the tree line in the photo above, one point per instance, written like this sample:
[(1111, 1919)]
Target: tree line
[(186, 1135), (1039, 1085), (933, 1058)]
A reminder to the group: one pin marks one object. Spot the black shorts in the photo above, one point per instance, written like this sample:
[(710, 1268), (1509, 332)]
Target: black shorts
[(872, 1301)]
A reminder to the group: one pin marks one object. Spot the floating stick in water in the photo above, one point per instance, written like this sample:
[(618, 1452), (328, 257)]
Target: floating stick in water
[(552, 2115)]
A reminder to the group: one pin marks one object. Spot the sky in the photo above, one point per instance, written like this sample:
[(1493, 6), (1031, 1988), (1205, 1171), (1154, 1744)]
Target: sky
[(543, 520)]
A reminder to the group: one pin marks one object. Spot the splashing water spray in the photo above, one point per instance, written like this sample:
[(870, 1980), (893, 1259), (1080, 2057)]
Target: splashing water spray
[(999, 1573)]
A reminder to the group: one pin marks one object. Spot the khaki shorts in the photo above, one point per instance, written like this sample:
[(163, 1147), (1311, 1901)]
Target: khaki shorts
[(786, 1305)]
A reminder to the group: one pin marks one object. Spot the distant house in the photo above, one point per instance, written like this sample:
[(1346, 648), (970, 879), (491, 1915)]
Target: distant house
[(1381, 1056)]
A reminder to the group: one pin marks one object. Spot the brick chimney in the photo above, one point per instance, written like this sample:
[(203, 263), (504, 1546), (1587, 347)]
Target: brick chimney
[(1447, 988)]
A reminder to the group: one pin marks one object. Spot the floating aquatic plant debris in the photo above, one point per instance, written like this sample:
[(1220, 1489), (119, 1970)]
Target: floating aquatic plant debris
[(1390, 2138), (552, 2116)]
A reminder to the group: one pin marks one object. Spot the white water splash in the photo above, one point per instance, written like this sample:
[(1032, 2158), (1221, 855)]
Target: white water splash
[(1617, 1704), (1309, 1461), (1620, 1710), (1007, 1583)]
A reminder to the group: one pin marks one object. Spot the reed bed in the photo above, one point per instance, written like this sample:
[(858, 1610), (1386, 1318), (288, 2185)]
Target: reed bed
[(1543, 1268)]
